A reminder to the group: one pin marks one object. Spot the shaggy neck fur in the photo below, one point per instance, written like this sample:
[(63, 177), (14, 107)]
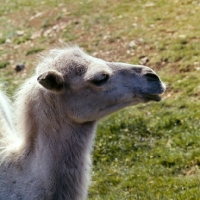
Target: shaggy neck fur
[(71, 157)]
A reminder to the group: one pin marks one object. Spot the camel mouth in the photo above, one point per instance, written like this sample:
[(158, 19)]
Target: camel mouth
[(152, 97)]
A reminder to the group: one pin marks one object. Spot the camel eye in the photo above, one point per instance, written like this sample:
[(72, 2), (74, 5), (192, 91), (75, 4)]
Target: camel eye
[(100, 80)]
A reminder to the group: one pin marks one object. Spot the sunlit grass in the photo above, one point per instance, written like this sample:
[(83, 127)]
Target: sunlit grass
[(151, 151)]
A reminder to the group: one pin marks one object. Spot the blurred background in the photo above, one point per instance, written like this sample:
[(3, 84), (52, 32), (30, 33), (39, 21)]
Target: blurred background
[(150, 151)]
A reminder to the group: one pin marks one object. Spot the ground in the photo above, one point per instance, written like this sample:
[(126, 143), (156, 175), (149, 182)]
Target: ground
[(150, 151)]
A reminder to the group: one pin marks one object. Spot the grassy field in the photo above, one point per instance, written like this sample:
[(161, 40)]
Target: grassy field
[(147, 152)]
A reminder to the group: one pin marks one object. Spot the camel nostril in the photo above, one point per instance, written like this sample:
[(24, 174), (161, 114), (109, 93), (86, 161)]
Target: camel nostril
[(151, 77)]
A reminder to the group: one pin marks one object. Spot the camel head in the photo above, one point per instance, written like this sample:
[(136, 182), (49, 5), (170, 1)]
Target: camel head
[(88, 88)]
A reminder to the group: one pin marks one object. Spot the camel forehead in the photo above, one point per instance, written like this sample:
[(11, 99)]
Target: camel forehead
[(66, 60), (77, 62), (71, 61)]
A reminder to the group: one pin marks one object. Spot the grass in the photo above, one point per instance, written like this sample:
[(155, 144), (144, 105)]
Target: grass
[(34, 50), (150, 151), (3, 64)]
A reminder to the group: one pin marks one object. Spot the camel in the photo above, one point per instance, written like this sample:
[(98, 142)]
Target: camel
[(47, 136)]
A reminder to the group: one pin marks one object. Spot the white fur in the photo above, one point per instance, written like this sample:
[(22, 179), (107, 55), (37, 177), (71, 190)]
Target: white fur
[(45, 151)]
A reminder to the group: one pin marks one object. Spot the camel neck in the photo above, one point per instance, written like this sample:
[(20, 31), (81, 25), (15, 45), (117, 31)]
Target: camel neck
[(67, 139), (56, 149), (67, 149)]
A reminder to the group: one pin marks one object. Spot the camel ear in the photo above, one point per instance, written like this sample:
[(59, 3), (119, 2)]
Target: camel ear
[(52, 80)]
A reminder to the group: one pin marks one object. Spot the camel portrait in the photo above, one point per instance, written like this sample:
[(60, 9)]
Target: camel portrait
[(47, 135)]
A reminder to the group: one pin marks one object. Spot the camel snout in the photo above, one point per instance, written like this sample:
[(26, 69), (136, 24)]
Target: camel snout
[(155, 86)]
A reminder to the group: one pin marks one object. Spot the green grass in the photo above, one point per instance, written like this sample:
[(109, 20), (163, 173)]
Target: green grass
[(34, 50), (3, 64), (150, 151)]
